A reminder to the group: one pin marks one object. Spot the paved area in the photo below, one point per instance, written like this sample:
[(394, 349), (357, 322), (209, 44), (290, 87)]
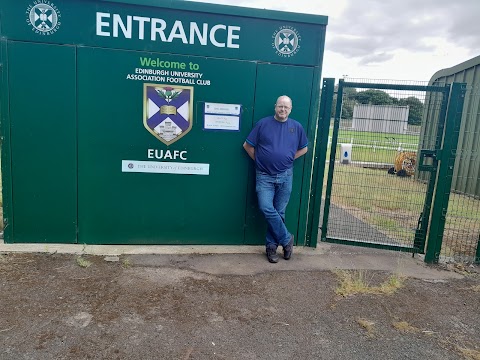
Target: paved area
[(324, 257), (209, 302), (344, 225)]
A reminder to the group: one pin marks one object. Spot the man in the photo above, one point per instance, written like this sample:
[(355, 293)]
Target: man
[(274, 143)]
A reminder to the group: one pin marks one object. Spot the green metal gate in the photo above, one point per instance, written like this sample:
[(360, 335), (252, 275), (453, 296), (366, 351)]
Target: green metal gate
[(381, 179)]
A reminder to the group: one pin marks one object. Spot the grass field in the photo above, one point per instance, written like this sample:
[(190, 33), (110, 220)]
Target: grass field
[(373, 146), (366, 137)]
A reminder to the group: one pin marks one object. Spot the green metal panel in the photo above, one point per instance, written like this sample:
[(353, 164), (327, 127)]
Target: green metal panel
[(319, 161), (273, 81), (116, 207), (311, 131), (5, 144), (100, 86), (431, 178), (445, 173), (252, 38), (43, 142), (331, 164), (462, 221), (467, 166)]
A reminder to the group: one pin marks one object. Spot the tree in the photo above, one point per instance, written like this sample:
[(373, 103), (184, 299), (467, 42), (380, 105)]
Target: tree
[(415, 111), (377, 97), (374, 97), (348, 102)]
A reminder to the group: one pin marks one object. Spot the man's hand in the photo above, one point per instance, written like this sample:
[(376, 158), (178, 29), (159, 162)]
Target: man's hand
[(249, 149), (301, 152)]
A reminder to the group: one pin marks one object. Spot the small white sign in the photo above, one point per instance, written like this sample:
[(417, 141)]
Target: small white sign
[(225, 109), (165, 167), (222, 122)]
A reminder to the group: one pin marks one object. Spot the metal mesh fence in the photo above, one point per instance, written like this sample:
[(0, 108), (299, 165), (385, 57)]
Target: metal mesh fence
[(376, 195), (462, 228)]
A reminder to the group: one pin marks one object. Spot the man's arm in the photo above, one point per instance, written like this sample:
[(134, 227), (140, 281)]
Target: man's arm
[(301, 152), (249, 149)]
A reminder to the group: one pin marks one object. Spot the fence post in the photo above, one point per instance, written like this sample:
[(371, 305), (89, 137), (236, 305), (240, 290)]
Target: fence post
[(445, 173), (333, 150), (321, 146)]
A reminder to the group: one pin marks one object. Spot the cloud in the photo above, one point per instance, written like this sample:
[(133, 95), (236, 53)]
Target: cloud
[(375, 31), (376, 58), (380, 27)]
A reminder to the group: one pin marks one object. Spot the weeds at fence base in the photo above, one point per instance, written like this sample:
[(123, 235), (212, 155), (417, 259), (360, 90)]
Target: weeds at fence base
[(354, 282), (126, 263), (84, 263)]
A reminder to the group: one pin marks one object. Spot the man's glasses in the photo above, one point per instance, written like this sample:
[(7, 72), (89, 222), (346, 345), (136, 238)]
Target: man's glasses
[(283, 107)]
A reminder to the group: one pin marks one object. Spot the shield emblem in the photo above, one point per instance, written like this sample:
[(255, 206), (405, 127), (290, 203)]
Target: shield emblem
[(167, 111)]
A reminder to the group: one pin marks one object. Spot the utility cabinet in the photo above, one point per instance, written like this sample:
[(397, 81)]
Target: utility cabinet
[(123, 121)]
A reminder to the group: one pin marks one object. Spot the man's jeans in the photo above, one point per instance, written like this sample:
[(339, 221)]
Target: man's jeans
[(273, 193)]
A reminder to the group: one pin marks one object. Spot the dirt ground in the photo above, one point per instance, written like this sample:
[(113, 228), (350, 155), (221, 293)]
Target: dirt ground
[(160, 307)]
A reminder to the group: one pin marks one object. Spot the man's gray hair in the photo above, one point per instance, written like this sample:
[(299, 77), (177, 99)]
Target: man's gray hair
[(284, 96)]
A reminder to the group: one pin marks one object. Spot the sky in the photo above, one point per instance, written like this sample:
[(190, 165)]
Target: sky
[(389, 39)]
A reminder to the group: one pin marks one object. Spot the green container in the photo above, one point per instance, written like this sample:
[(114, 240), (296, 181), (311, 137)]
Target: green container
[(123, 122)]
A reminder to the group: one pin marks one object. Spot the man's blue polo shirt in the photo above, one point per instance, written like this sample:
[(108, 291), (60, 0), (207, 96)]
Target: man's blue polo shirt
[(276, 143)]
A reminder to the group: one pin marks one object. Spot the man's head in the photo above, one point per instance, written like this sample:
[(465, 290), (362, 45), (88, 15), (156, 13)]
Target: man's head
[(283, 108)]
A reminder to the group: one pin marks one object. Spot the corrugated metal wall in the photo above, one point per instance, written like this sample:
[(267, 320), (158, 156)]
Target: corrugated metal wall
[(467, 167), (461, 237)]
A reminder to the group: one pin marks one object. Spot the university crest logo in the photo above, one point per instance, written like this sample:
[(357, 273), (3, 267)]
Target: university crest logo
[(167, 111), (286, 41), (44, 17)]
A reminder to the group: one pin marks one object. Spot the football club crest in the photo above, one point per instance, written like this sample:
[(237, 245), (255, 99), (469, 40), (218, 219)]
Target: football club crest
[(167, 111)]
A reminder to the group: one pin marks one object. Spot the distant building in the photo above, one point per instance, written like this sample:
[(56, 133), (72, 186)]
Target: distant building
[(380, 118)]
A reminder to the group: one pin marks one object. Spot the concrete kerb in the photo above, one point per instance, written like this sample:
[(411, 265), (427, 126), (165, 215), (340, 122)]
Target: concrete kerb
[(324, 257)]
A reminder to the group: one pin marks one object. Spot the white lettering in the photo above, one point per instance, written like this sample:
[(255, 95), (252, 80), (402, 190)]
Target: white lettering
[(141, 25), (101, 24), (219, 35), (158, 30), (168, 155), (202, 37), (178, 26), (127, 30), (231, 37), (212, 35), (161, 154)]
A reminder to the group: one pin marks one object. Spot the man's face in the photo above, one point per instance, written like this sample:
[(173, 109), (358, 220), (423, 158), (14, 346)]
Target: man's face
[(283, 108)]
